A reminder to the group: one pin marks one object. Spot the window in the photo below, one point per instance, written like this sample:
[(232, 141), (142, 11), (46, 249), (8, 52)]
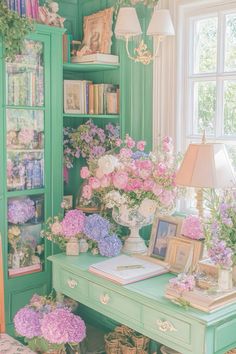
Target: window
[(210, 77)]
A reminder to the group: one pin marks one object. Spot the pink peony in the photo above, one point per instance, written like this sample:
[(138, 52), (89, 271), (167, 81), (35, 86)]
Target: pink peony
[(161, 168), (129, 142), (105, 181), (87, 192), (94, 182), (56, 228), (148, 185), (84, 173), (192, 227), (134, 184), (120, 180), (156, 189), (118, 142), (126, 153), (141, 145)]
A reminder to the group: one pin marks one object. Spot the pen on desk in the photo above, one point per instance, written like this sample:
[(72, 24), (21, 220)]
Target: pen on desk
[(133, 266)]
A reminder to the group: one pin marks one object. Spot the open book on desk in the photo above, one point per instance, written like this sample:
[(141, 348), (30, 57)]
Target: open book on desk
[(126, 269)]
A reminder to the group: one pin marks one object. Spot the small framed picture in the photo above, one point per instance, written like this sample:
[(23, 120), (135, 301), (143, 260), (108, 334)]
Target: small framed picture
[(98, 31), (164, 228), (183, 254), (72, 96)]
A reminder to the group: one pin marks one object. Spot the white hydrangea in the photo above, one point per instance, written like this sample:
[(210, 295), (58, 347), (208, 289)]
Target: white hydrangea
[(107, 164), (147, 207), (114, 198)]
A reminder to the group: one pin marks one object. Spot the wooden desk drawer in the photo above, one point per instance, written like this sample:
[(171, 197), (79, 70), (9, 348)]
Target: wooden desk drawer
[(73, 285), (113, 301), (167, 326), (225, 334)]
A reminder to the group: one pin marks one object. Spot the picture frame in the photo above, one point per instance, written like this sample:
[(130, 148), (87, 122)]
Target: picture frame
[(183, 254), (72, 96), (98, 31), (68, 200), (163, 228)]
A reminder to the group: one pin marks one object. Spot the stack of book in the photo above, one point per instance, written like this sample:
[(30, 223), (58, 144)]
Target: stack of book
[(96, 58), (28, 8), (94, 98), (204, 300)]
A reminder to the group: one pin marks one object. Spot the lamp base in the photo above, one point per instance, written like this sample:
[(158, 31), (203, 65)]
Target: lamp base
[(134, 243)]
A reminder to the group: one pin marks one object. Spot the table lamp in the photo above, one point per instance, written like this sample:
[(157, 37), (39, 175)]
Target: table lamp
[(205, 165)]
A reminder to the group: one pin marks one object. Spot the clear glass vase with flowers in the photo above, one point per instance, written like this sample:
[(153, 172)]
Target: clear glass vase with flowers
[(134, 184)]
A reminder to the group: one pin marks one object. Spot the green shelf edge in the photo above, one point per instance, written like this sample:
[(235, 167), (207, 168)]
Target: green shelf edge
[(85, 67), (102, 116), (25, 192)]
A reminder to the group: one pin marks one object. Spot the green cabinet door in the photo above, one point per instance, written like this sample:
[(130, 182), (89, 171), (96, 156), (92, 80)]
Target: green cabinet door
[(31, 118)]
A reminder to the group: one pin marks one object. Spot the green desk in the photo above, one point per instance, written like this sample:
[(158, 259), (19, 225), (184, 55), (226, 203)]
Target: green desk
[(142, 306)]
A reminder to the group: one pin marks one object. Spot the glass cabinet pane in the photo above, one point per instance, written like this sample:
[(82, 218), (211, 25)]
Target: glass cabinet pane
[(25, 76), (25, 149), (25, 245)]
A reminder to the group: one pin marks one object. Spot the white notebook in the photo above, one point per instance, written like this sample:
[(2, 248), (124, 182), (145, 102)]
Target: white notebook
[(126, 269)]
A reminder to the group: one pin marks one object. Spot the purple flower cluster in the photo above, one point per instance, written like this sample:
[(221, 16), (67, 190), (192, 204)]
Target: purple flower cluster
[(51, 321), (20, 210), (220, 254), (73, 223), (97, 228), (183, 282)]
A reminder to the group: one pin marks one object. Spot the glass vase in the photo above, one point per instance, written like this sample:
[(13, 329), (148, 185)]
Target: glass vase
[(225, 281), (72, 247)]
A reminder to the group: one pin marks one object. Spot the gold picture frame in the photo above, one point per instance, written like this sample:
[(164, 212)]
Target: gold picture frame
[(183, 254), (163, 229), (98, 31)]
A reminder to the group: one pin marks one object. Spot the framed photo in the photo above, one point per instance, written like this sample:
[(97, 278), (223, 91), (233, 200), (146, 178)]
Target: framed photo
[(164, 228), (183, 254), (72, 96), (98, 31), (68, 201)]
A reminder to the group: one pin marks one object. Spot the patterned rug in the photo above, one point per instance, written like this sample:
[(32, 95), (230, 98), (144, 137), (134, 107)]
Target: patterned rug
[(9, 345)]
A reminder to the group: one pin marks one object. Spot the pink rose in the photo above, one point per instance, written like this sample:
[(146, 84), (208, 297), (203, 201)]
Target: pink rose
[(126, 153), (129, 142), (56, 228), (120, 180), (118, 142), (156, 189), (134, 184), (105, 181), (94, 183), (148, 185), (161, 168), (86, 192), (141, 145), (84, 173)]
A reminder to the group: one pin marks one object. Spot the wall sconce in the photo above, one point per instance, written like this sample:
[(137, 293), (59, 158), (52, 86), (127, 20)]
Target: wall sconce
[(128, 26)]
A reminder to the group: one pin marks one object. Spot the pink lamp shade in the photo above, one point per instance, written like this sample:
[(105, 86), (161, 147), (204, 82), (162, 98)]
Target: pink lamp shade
[(127, 23), (206, 166), (161, 24)]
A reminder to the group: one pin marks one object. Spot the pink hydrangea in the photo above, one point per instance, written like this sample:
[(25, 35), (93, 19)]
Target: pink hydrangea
[(192, 227), (125, 153), (73, 223)]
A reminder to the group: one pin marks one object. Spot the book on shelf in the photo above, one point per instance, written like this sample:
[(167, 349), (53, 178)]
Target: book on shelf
[(13, 272), (203, 299), (126, 269), (96, 58)]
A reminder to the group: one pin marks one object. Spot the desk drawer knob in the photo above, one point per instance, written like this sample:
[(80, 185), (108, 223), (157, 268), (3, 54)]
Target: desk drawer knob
[(72, 283), (104, 299), (166, 326)]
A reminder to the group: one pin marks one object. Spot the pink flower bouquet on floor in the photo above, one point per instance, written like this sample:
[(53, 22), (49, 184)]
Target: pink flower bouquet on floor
[(128, 176)]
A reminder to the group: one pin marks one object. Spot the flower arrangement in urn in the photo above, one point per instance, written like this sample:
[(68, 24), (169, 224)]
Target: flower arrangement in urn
[(94, 232), (49, 326), (132, 182)]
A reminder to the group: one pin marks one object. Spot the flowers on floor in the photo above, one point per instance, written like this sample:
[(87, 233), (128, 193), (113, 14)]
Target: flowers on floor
[(94, 229), (20, 210), (129, 176), (192, 227), (221, 222), (47, 324), (88, 141)]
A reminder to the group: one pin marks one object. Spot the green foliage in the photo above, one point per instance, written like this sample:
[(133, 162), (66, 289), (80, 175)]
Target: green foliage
[(132, 3), (13, 30)]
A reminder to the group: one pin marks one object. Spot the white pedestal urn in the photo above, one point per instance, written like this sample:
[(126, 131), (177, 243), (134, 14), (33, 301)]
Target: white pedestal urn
[(225, 279), (135, 221), (72, 247)]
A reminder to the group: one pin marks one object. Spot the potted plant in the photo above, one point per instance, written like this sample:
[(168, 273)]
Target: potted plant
[(49, 326), (13, 30)]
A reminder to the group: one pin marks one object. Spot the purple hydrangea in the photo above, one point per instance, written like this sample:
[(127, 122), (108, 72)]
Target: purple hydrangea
[(110, 246), (73, 223), (183, 282), (61, 326), (96, 227), (20, 210), (27, 323)]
